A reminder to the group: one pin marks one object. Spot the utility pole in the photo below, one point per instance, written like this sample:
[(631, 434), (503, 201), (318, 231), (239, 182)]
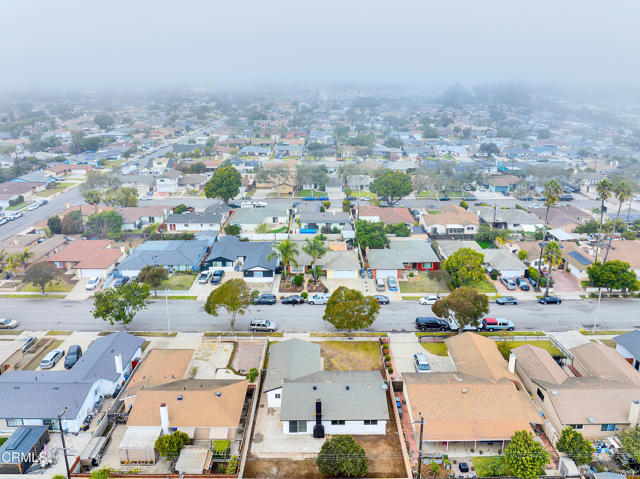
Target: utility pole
[(420, 447), (64, 446)]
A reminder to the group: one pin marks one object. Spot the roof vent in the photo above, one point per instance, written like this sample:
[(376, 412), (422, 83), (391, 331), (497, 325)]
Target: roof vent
[(315, 387), (384, 386), (347, 387), (591, 420), (179, 397), (464, 391), (218, 393), (554, 392), (459, 380)]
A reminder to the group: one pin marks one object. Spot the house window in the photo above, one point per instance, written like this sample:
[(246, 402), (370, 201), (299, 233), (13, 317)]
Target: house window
[(297, 426), (337, 423), (470, 228), (540, 395), (13, 422), (608, 427), (576, 426), (370, 422), (277, 395), (257, 274)]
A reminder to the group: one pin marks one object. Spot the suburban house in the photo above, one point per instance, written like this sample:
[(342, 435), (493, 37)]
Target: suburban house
[(502, 183), (38, 397), (627, 251), (175, 255), (389, 216), (144, 184), (566, 217), (598, 396), (184, 222), (513, 219), (505, 262), (315, 222), (250, 257), (192, 182), (576, 260), (37, 244), (334, 185), (87, 258), (449, 247), (452, 222), (315, 402), (628, 345), (137, 217), (338, 262), (480, 405), (402, 254), (275, 217), (11, 190), (167, 182)]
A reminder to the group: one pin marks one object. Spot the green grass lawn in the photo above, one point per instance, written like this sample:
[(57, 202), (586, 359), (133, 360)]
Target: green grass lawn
[(178, 282), (491, 466), (35, 362), (426, 194), (422, 285), (486, 244), (607, 342), (303, 193), (280, 230), (19, 206), (505, 347), (439, 349), (57, 332), (363, 193), (52, 287), (484, 286), (604, 332), (49, 192)]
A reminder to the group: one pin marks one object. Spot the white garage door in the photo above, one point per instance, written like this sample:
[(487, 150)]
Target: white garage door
[(385, 273), (511, 273), (345, 274)]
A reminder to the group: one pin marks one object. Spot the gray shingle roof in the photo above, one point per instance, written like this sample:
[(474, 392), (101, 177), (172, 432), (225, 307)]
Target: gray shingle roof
[(365, 397), (630, 341), (255, 253), (289, 360), (325, 217), (166, 253), (402, 251), (193, 218), (502, 259), (254, 216)]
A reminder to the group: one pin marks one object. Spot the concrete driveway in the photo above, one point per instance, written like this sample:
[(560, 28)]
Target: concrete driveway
[(83, 339), (405, 345)]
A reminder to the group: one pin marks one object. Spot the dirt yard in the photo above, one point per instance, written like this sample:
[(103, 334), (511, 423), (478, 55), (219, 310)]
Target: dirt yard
[(248, 355), (350, 356)]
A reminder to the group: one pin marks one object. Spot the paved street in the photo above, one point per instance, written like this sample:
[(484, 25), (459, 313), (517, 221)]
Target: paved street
[(189, 316)]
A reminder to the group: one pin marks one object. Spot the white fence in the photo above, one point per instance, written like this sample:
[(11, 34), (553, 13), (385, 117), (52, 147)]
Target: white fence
[(264, 236)]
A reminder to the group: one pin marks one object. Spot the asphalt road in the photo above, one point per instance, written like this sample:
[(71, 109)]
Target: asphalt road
[(68, 198), (189, 316)]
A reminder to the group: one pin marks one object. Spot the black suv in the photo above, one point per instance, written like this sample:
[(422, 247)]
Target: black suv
[(426, 323), (75, 353), (265, 299)]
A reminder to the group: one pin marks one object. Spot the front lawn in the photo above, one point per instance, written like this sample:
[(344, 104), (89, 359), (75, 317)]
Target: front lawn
[(505, 347), (422, 284), (303, 193), (348, 356), (439, 349), (178, 282), (19, 206), (362, 193), (51, 287), (602, 333), (484, 286)]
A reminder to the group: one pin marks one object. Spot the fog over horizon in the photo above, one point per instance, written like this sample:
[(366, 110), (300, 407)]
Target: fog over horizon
[(61, 45)]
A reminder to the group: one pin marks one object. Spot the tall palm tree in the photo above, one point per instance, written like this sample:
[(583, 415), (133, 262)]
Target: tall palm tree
[(316, 249), (285, 250), (552, 256), (622, 192), (24, 257), (552, 191), (604, 189)]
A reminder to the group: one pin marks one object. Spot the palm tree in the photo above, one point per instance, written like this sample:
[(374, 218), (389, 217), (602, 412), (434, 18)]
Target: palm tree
[(552, 191), (604, 189), (316, 249), (552, 256), (285, 250), (622, 192), (24, 257)]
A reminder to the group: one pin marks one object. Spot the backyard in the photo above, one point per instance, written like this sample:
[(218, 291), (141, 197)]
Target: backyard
[(505, 347), (350, 356), (178, 282)]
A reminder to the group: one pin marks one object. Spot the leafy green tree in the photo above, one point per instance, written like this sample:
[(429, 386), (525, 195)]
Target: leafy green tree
[(342, 456), (153, 275), (612, 275), (489, 149), (316, 249), (125, 196), (392, 185), (349, 309), (316, 175), (104, 223), (629, 235), (552, 256), (179, 209), (524, 456), (429, 132), (465, 267), (551, 193), (170, 445), (234, 296), (40, 274), (370, 234), (224, 184), (286, 251), (590, 227), (103, 121), (466, 305), (488, 234), (392, 143), (522, 255), (54, 223), (120, 304), (630, 441), (622, 191), (573, 444), (92, 197), (400, 230), (232, 230)]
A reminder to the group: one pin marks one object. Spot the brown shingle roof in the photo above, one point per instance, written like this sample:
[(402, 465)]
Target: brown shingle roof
[(160, 366), (478, 356), (451, 215), (387, 215), (606, 363)]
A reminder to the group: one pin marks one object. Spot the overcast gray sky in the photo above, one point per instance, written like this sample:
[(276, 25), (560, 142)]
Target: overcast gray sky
[(161, 43)]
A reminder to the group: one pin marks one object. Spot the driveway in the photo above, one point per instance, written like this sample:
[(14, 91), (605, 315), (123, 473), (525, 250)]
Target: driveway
[(83, 339), (261, 194), (405, 345), (565, 282)]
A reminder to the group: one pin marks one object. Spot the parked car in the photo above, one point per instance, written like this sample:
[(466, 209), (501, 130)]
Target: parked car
[(567, 197), (262, 325), (464, 467), (28, 342), (522, 284), (233, 205), (533, 282), (444, 198), (420, 363), (427, 323), (17, 215), (265, 298), (507, 300), (549, 300), (495, 324), (320, 298), (75, 353), (380, 286), (51, 358), (509, 283), (33, 207), (3, 221), (393, 286), (366, 198), (216, 277), (369, 273), (93, 283), (362, 273), (381, 299), (526, 198), (120, 281), (204, 277), (293, 299), (428, 300), (534, 205), (6, 323), (259, 204), (469, 198)]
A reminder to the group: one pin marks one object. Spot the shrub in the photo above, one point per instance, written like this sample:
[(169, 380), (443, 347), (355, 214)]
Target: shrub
[(494, 274), (253, 374), (390, 370), (19, 199), (232, 465), (342, 456), (170, 445), (411, 275), (304, 294), (387, 357), (298, 279)]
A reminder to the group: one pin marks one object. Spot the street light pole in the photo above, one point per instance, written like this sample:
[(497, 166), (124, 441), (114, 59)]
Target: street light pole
[(64, 446), (595, 319), (420, 447)]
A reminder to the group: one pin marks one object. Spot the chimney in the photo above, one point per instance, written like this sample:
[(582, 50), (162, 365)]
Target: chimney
[(164, 418), (119, 368), (512, 363), (634, 412), (318, 429)]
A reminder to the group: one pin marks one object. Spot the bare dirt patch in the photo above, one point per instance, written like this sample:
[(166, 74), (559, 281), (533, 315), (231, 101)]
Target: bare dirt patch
[(351, 356), (247, 355)]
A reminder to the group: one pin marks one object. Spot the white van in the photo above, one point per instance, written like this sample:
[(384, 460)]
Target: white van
[(320, 298)]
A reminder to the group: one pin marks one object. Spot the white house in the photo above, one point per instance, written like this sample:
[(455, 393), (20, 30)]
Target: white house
[(168, 181)]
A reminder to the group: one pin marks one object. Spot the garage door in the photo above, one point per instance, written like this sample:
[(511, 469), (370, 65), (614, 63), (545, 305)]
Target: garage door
[(345, 274), (202, 433), (385, 273), (511, 273)]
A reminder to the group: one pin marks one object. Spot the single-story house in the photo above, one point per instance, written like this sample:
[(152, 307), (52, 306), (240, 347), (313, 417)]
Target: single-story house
[(567, 217), (599, 396), (144, 184), (576, 260), (11, 190), (403, 254), (167, 182), (38, 397), (250, 257), (505, 262), (628, 345), (449, 247), (389, 216), (137, 217), (175, 255), (502, 183), (627, 251), (513, 219), (87, 258), (184, 222), (249, 218), (324, 219), (338, 262), (451, 222), (334, 185)]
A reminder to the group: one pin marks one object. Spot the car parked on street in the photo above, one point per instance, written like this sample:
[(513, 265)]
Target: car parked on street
[(262, 325), (532, 282), (507, 300), (120, 281), (293, 299), (320, 298), (51, 358), (549, 300), (522, 284), (495, 324), (6, 323), (382, 299), (508, 283), (74, 354), (429, 300), (380, 286), (265, 298), (431, 323)]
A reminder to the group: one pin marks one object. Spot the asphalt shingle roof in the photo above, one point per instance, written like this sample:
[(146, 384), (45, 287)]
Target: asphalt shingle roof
[(166, 253)]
